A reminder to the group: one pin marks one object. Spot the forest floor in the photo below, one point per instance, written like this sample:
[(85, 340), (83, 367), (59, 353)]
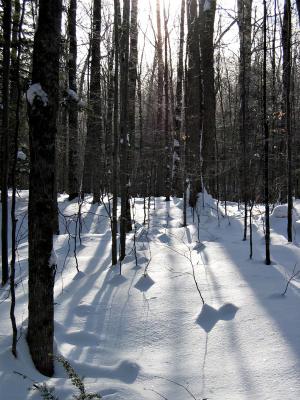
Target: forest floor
[(145, 334)]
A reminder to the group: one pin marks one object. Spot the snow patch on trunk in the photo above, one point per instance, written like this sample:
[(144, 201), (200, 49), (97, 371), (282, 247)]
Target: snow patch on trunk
[(36, 92)]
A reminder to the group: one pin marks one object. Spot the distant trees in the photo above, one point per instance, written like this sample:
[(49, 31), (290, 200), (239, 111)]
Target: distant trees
[(42, 98)]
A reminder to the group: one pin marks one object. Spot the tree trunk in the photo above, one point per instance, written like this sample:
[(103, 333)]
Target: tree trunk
[(178, 145), (74, 180), (114, 227), (5, 135), (245, 29), (208, 151), (132, 80), (193, 103), (266, 150), (42, 99), (124, 56), (287, 68), (92, 161)]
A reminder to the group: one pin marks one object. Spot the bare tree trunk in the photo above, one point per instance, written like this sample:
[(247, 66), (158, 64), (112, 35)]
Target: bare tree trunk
[(167, 133), (178, 151), (114, 228), (132, 80), (266, 150), (5, 135), (244, 20), (287, 68), (74, 180), (193, 102), (42, 111), (124, 56), (208, 151), (160, 143), (92, 160)]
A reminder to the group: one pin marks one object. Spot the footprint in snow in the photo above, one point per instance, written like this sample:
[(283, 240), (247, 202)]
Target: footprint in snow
[(209, 316)]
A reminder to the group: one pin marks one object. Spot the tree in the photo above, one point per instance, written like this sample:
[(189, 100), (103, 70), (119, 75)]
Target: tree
[(114, 222), (266, 149), (193, 103), (132, 80), (74, 180), (286, 79), (4, 135), (42, 98), (124, 173), (245, 29), (178, 123), (207, 21), (92, 160)]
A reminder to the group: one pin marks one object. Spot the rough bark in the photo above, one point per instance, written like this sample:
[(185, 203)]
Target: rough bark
[(42, 197)]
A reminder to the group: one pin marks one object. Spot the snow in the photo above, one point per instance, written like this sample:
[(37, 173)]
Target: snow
[(281, 211), (207, 5), (21, 155), (146, 334), (53, 258), (73, 95), (36, 91)]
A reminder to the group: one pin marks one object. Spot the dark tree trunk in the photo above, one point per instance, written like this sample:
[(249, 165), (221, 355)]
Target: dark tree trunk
[(42, 111), (167, 133), (244, 20), (178, 145), (287, 69), (114, 227), (193, 103), (5, 135), (208, 151), (124, 57), (266, 150), (159, 140), (92, 163), (132, 80), (74, 181)]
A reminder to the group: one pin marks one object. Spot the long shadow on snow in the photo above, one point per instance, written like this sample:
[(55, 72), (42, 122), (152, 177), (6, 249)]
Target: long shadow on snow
[(267, 283)]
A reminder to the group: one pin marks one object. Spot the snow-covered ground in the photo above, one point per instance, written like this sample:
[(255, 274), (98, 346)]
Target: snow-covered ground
[(146, 334)]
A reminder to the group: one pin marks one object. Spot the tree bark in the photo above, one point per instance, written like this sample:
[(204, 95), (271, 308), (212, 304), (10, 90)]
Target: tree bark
[(5, 135), (74, 179), (193, 103), (287, 69), (208, 150), (245, 29), (42, 209), (92, 161), (124, 139)]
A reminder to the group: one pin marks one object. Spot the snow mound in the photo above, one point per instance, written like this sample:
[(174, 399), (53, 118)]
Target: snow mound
[(281, 211)]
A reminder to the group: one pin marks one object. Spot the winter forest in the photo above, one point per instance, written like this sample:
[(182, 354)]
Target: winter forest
[(150, 199)]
